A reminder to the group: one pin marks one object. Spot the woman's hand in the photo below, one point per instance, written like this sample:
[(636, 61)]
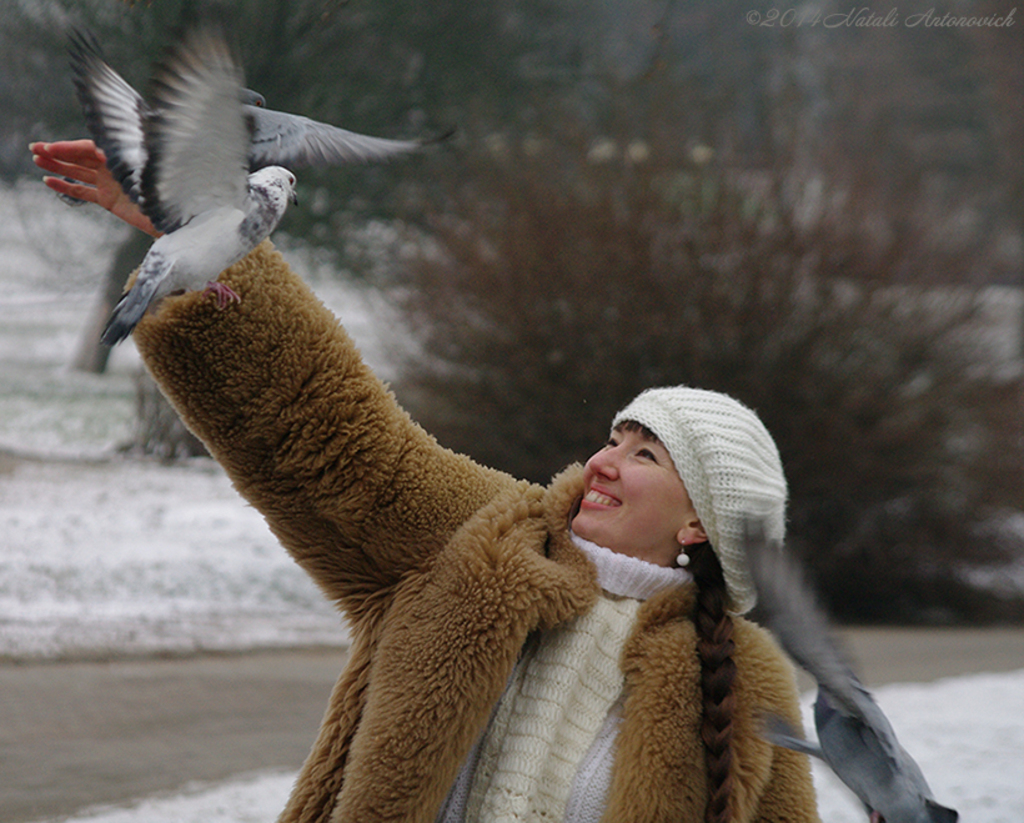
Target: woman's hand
[(81, 160)]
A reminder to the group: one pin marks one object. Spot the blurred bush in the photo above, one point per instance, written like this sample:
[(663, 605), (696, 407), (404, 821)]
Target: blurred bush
[(809, 218), (566, 277)]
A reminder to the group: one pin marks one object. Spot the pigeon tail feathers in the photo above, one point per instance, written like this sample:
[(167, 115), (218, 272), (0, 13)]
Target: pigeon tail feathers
[(941, 814), (131, 308), (779, 732)]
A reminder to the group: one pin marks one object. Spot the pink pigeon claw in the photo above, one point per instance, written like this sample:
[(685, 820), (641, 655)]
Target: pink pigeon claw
[(221, 294)]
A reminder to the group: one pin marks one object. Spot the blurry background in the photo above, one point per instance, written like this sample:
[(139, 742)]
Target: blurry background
[(816, 210)]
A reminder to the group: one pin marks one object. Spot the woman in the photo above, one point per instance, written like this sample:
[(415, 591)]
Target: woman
[(575, 652)]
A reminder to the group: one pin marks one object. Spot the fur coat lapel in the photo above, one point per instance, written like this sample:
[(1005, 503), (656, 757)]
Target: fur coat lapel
[(660, 771), (425, 675), (428, 678)]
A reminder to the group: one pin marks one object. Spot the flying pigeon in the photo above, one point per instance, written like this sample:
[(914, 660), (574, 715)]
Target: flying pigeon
[(855, 739), (116, 113), (194, 184)]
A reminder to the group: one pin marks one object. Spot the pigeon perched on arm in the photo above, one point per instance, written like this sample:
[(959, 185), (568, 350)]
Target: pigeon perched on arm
[(855, 738), (194, 185)]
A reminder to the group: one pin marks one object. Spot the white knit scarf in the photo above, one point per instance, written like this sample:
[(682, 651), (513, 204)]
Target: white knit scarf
[(559, 698)]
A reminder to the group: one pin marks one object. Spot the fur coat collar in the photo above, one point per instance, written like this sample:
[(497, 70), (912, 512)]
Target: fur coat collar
[(444, 568), (440, 656)]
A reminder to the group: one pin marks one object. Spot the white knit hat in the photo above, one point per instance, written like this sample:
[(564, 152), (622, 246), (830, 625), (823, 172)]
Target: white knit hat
[(729, 465)]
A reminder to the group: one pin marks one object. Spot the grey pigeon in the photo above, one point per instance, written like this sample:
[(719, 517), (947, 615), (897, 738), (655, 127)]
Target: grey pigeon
[(194, 185), (855, 738), (116, 113)]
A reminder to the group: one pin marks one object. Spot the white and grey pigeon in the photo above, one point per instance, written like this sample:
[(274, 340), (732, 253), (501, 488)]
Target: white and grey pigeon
[(115, 114), (194, 185), (855, 739)]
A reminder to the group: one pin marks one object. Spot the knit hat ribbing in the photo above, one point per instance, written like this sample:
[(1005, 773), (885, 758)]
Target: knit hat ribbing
[(729, 465)]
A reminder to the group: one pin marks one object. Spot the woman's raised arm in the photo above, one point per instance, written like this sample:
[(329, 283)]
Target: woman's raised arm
[(354, 489)]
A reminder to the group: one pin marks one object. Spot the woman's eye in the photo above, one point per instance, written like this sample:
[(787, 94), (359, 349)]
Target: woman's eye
[(647, 454)]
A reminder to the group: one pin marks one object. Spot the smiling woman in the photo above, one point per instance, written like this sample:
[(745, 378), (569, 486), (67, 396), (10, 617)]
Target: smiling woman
[(520, 652), (635, 501)]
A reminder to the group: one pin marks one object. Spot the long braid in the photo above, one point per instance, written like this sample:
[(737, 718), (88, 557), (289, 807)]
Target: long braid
[(718, 670), (718, 674)]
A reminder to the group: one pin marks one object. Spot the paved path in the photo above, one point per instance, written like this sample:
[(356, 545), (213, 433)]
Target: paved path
[(76, 734)]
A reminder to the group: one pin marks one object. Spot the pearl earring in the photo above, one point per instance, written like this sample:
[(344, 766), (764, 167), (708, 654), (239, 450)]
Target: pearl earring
[(683, 559)]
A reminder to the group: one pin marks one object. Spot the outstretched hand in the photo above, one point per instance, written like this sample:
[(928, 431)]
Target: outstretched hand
[(81, 160)]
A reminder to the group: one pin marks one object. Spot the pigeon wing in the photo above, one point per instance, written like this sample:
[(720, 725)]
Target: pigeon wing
[(114, 112), (293, 141), (791, 611), (198, 134), (854, 734)]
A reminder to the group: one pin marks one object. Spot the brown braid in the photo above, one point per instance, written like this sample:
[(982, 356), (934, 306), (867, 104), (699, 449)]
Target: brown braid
[(718, 670), (718, 673)]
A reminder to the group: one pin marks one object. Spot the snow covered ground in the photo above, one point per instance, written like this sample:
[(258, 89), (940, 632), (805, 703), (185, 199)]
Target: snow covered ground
[(101, 555), (967, 734), (123, 556)]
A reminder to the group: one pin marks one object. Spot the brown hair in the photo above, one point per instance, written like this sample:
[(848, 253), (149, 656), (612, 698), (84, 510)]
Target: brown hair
[(718, 674), (718, 670), (633, 426)]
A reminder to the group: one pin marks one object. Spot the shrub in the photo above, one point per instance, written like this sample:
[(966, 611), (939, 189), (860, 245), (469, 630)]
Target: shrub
[(559, 288)]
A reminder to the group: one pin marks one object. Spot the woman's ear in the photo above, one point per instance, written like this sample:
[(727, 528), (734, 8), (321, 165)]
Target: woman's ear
[(692, 531)]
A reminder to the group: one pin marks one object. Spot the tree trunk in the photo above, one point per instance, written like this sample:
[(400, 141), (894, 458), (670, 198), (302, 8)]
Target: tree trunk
[(92, 355), (158, 429)]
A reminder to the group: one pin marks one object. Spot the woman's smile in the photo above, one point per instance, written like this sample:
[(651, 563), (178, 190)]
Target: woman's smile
[(634, 501)]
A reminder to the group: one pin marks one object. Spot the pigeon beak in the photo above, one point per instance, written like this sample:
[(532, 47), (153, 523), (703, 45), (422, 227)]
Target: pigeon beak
[(295, 199)]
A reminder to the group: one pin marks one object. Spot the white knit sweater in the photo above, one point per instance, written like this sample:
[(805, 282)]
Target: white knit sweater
[(548, 751)]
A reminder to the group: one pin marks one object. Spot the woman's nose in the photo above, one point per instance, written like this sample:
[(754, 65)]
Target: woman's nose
[(604, 462)]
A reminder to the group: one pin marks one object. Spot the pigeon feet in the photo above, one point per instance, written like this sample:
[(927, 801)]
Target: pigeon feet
[(221, 294)]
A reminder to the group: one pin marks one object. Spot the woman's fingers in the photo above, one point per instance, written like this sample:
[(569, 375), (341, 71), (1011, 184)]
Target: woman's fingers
[(78, 152), (91, 180), (71, 189)]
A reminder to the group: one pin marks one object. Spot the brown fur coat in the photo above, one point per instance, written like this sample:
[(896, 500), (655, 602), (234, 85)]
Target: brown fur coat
[(444, 568)]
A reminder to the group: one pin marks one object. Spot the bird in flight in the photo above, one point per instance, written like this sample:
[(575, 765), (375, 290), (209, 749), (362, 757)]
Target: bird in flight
[(116, 115), (184, 158), (855, 737)]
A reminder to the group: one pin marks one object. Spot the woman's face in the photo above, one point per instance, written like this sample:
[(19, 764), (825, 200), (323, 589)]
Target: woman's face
[(634, 501)]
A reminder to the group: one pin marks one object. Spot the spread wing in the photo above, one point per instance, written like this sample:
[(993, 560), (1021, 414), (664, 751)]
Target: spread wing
[(293, 141), (114, 112), (855, 736), (791, 611), (198, 134)]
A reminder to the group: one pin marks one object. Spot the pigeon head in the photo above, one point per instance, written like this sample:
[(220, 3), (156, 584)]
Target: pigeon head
[(276, 184), (253, 98)]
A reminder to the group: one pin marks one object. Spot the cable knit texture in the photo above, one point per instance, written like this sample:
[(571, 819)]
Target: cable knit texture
[(558, 712), (617, 575), (444, 569), (729, 465), (556, 705)]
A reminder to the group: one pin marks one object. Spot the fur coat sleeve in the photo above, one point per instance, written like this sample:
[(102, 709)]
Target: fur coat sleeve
[(444, 567), (358, 493)]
